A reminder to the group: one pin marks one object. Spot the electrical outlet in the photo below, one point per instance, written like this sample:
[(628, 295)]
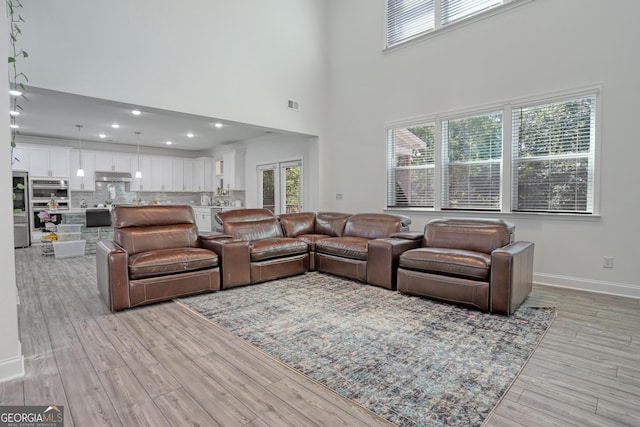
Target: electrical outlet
[(607, 262)]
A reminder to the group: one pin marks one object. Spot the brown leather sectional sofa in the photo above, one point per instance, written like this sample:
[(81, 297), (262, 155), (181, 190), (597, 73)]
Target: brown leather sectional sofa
[(257, 246), (157, 255)]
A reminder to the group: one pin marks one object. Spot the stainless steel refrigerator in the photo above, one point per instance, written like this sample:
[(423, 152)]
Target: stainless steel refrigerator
[(21, 214)]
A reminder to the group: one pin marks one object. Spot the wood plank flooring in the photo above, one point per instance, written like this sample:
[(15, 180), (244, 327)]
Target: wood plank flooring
[(161, 365)]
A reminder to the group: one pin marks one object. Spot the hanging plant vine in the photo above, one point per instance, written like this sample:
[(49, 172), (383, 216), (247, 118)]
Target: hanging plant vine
[(16, 78)]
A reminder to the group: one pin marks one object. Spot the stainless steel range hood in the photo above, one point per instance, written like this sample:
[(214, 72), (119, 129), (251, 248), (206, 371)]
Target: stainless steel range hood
[(109, 176)]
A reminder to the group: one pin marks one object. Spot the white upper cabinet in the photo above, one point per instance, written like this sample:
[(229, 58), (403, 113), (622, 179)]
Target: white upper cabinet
[(45, 161), (19, 159), (86, 182), (161, 174), (233, 162), (144, 183), (106, 161), (203, 174)]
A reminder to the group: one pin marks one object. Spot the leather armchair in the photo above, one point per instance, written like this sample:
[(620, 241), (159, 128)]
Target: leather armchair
[(156, 254), (472, 262)]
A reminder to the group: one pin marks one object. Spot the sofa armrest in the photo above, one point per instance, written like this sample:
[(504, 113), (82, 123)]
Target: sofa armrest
[(234, 259), (382, 259), (511, 276), (214, 235), (407, 235), (112, 271)]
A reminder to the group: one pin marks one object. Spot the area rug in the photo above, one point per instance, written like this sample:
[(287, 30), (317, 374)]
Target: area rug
[(413, 361)]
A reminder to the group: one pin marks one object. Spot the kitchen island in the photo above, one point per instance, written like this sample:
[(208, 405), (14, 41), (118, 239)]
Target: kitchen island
[(91, 234)]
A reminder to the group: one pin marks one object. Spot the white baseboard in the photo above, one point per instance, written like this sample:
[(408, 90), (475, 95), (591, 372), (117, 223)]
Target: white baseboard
[(11, 369), (610, 288)]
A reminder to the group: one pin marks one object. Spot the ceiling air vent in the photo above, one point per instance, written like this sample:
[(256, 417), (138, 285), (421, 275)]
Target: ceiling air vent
[(293, 105)]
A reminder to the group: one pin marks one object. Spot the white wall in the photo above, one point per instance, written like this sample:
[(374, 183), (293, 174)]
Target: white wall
[(11, 359), (281, 148), (541, 47), (233, 60)]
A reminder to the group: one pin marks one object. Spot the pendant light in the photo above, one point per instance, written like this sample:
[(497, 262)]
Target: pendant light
[(138, 172), (80, 171)]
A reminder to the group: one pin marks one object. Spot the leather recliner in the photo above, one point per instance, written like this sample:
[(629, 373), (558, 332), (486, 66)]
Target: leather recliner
[(472, 262), (156, 254), (368, 248), (253, 248)]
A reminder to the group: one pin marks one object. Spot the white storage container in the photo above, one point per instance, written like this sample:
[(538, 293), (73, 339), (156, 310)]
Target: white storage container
[(69, 228), (64, 237), (68, 249)]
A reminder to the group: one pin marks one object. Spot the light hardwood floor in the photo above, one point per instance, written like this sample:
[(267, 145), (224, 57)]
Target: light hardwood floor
[(161, 365)]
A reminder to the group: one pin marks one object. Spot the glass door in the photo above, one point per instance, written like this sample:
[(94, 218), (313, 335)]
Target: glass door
[(267, 186)]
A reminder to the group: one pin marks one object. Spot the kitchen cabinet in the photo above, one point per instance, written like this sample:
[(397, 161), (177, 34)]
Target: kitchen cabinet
[(116, 162), (144, 183), (204, 219), (233, 169), (86, 182), (45, 162), (203, 174), (161, 174), (19, 159), (182, 179)]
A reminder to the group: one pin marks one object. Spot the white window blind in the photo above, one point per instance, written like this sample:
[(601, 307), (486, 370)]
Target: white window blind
[(410, 171), (408, 18), (553, 156), (471, 162), (454, 10)]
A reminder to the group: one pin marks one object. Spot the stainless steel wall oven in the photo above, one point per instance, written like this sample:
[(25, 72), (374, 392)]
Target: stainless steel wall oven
[(42, 191)]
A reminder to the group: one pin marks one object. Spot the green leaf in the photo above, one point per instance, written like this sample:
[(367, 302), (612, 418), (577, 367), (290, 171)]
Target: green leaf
[(25, 54)]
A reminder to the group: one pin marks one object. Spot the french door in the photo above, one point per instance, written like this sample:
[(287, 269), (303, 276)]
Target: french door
[(280, 187)]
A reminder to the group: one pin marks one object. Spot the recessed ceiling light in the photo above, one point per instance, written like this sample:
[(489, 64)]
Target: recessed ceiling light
[(15, 126), (115, 126), (190, 135), (218, 125), (102, 135), (169, 142), (136, 112), (14, 113), (15, 92)]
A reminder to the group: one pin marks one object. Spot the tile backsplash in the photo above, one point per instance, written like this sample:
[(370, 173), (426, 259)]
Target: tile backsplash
[(118, 193)]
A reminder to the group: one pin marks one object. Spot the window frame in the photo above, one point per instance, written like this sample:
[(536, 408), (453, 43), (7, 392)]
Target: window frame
[(506, 185), (439, 29)]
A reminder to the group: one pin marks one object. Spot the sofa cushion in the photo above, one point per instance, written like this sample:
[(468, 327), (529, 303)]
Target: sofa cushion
[(476, 235), (331, 223), (311, 239), (277, 247), (168, 261), (150, 238), (452, 262), (294, 224), (346, 247), (254, 230), (372, 225)]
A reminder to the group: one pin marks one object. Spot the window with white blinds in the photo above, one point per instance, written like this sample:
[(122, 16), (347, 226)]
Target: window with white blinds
[(471, 162), (408, 19), (457, 161), (411, 161), (553, 156)]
